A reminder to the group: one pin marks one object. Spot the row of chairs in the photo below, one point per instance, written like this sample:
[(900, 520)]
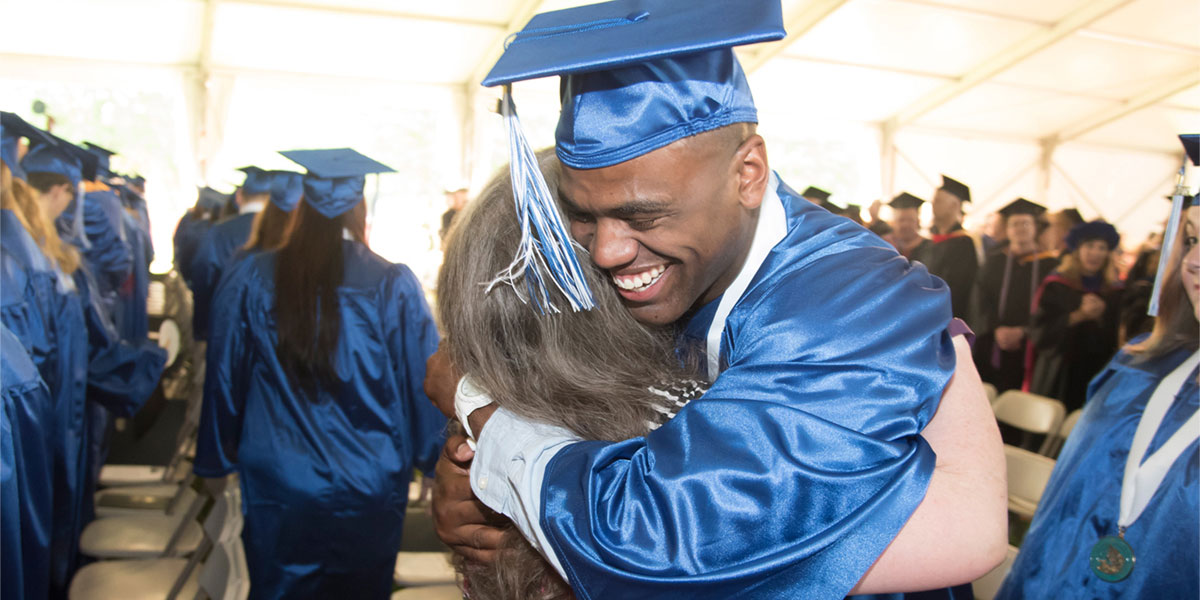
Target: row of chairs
[(1031, 421), (158, 556)]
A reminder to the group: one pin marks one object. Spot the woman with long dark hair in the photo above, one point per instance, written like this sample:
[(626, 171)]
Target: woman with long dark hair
[(1111, 525), (1076, 316), (598, 373), (271, 226), (313, 394)]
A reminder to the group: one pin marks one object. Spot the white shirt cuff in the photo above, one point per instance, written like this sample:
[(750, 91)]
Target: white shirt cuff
[(508, 468)]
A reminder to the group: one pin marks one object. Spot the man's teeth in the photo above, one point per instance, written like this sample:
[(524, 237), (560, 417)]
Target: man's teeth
[(639, 281)]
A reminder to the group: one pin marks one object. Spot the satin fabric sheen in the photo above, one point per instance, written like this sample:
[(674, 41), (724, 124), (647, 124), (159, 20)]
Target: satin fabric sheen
[(26, 489), (801, 463), (332, 197), (614, 115), (49, 323), (188, 234), (213, 256), (1082, 501), (109, 256), (324, 480)]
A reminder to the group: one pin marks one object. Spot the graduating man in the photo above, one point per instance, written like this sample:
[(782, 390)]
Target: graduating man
[(220, 243), (1003, 297), (952, 255), (905, 233), (832, 453)]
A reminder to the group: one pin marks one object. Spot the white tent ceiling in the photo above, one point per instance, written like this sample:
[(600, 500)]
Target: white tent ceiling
[(1070, 102)]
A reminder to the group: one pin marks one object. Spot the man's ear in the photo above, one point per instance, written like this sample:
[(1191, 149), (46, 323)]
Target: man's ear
[(753, 171)]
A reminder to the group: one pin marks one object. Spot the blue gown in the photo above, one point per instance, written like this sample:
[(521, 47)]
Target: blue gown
[(1081, 502), (801, 463), (188, 235), (213, 256), (324, 480), (44, 312), (109, 255), (25, 474)]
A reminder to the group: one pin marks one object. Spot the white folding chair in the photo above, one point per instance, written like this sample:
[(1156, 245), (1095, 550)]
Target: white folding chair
[(985, 587), (149, 536), (141, 500), (159, 578), (1028, 474), (219, 577), (991, 392), (1037, 417), (415, 569), (1064, 431), (433, 592)]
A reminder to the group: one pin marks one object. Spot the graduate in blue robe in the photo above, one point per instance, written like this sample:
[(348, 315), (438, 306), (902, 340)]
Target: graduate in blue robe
[(216, 251), (107, 253), (324, 452), (1153, 379), (192, 228), (829, 352), (25, 473)]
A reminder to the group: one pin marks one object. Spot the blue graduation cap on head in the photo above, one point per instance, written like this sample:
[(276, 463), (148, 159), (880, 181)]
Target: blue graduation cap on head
[(1191, 150), (102, 158), (286, 189), (12, 129), (258, 181), (637, 75), (211, 200), (56, 155), (336, 177)]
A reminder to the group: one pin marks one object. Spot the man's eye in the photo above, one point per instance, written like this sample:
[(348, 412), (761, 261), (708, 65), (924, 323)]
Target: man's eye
[(643, 224), (1190, 241), (580, 218)]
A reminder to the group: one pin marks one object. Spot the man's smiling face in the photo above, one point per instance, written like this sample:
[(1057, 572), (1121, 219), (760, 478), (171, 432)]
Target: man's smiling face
[(672, 227)]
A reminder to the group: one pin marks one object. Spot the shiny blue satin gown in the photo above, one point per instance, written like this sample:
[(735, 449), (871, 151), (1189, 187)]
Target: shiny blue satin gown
[(188, 234), (324, 478), (41, 307), (213, 256), (26, 464), (1082, 501), (801, 463), (108, 253)]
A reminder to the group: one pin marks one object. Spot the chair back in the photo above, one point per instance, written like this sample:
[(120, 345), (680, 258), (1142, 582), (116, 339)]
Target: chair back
[(1028, 474), (1035, 418), (991, 392), (1064, 431), (220, 578), (985, 587)]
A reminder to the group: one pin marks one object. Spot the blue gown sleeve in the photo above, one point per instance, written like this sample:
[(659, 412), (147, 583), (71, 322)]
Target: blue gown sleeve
[(121, 375), (110, 254), (222, 412), (206, 274), (793, 473), (412, 340), (11, 575)]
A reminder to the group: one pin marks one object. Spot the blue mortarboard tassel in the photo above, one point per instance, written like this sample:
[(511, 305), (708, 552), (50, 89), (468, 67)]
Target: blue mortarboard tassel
[(546, 253), (1164, 256)]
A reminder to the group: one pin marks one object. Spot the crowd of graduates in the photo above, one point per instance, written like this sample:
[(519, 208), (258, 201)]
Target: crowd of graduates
[(75, 252), (1050, 296)]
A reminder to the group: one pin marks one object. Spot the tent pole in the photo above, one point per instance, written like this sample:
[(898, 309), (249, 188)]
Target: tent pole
[(1045, 170), (887, 159)]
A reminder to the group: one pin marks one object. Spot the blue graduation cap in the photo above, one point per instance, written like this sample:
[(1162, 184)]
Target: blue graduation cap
[(258, 181), (286, 189), (210, 200), (12, 129), (102, 158), (55, 158), (336, 177), (1191, 146), (636, 75)]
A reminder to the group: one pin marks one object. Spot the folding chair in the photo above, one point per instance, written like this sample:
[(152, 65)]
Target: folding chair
[(141, 500), (991, 392), (1027, 420), (1064, 430), (985, 587), (1028, 474), (171, 578), (416, 569), (150, 536)]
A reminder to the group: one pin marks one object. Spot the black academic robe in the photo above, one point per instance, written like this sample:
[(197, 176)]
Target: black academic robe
[(1066, 357), (951, 256), (1003, 297)]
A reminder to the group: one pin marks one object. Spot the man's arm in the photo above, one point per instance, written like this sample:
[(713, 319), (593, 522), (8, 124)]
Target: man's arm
[(959, 530)]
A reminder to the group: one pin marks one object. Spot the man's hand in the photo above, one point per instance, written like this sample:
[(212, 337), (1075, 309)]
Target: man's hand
[(441, 381), (459, 519), (1009, 338)]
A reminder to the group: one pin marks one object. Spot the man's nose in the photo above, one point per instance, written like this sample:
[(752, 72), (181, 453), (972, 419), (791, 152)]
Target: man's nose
[(611, 246)]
